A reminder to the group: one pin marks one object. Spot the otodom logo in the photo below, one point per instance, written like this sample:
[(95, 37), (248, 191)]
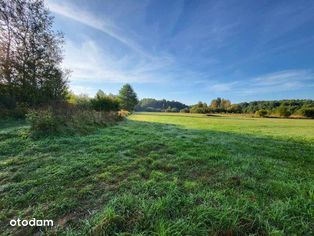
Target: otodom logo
[(32, 222)]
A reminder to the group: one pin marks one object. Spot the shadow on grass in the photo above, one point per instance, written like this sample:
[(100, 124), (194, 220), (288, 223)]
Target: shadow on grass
[(12, 123), (154, 176), (214, 115), (174, 114), (221, 115), (196, 115)]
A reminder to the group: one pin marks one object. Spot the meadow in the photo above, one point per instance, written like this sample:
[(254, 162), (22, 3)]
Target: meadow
[(162, 174)]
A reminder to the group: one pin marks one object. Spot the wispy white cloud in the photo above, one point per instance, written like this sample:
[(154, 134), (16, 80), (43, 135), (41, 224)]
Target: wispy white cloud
[(88, 62), (286, 80), (283, 18), (283, 78), (79, 90), (94, 66), (102, 24), (222, 87)]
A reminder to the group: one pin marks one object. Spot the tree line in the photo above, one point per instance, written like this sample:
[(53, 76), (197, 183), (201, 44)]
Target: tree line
[(153, 105), (283, 108), (125, 100)]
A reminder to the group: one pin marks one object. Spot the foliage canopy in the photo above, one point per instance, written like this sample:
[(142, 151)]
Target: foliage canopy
[(127, 98), (30, 55)]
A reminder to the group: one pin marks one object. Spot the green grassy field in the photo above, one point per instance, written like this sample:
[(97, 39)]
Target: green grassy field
[(163, 174)]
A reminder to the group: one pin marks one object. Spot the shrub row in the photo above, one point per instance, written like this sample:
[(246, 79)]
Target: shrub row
[(284, 112), (69, 119)]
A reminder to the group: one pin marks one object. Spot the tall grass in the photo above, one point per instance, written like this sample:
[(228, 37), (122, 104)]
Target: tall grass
[(64, 118)]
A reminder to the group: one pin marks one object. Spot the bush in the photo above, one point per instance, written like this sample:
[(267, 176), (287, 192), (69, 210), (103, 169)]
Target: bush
[(174, 109), (307, 112), (18, 111), (69, 119), (261, 113), (105, 103), (6, 101), (199, 108), (234, 108), (123, 113), (168, 109), (82, 101), (185, 110), (43, 121), (283, 111), (216, 110)]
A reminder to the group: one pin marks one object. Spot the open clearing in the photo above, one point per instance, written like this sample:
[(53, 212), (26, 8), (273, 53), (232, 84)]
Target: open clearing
[(163, 174)]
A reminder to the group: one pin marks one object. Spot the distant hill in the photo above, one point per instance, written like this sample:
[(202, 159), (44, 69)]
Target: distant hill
[(153, 105)]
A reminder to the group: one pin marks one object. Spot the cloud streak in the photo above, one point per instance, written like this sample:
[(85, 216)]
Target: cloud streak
[(286, 80), (283, 78), (96, 67), (102, 24)]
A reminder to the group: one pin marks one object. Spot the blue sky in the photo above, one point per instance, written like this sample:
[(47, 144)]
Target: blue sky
[(190, 51)]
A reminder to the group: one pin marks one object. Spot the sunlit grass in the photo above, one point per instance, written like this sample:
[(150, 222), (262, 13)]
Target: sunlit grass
[(163, 174), (301, 129)]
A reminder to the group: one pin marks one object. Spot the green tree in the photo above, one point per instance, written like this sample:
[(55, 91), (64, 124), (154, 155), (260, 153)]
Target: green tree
[(234, 108), (261, 113), (220, 105), (103, 102), (100, 93), (30, 53), (168, 109), (283, 111), (185, 110), (81, 100), (215, 103), (307, 112), (225, 103), (150, 104), (127, 98), (199, 108)]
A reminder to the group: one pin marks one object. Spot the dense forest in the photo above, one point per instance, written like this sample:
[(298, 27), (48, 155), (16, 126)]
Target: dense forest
[(284, 108), (292, 106), (153, 105)]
